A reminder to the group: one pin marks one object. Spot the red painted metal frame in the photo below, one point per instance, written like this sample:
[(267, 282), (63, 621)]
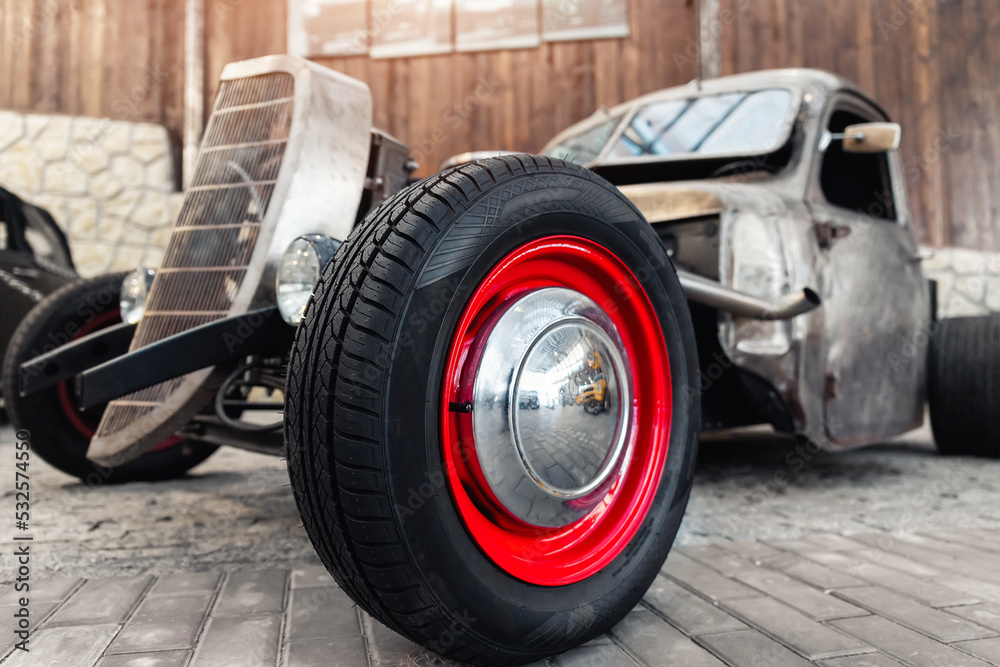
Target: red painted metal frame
[(568, 554)]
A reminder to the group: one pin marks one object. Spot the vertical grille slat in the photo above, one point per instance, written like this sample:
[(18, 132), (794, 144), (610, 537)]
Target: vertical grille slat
[(217, 228), (254, 90), (213, 247), (244, 165), (209, 205), (250, 125)]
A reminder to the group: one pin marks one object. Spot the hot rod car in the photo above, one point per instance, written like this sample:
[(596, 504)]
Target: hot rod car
[(495, 377), (34, 261)]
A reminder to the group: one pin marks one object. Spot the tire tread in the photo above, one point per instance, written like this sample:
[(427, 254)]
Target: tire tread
[(964, 386), (332, 433)]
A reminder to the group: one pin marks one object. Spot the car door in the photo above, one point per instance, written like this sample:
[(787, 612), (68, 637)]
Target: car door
[(875, 299)]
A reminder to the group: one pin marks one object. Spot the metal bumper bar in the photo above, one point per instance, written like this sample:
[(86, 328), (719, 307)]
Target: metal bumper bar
[(258, 332), (66, 361)]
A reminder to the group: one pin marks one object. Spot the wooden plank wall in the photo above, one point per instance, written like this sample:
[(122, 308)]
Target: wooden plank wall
[(513, 100), (931, 63), (121, 59)]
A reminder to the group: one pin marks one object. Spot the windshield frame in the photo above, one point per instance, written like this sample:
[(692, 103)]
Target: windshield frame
[(630, 109)]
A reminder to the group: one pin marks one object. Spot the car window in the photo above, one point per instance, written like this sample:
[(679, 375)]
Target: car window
[(585, 146), (751, 123), (856, 181)]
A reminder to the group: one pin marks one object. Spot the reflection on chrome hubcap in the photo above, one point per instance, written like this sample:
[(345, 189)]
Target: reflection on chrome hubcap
[(551, 406)]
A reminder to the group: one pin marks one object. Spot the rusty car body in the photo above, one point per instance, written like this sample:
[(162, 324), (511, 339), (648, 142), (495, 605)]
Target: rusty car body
[(850, 373)]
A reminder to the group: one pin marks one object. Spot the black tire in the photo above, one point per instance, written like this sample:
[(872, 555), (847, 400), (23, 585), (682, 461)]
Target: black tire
[(964, 386), (364, 393), (58, 431)]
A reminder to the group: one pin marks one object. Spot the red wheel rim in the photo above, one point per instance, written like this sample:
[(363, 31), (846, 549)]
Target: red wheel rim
[(567, 554), (86, 422)]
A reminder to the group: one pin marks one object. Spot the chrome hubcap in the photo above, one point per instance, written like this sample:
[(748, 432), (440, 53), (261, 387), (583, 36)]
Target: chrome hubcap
[(551, 406)]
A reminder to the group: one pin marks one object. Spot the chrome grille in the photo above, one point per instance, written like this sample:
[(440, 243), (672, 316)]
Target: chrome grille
[(216, 231)]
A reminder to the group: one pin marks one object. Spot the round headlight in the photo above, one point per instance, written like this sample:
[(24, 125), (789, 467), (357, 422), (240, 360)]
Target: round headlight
[(299, 272), (135, 288)]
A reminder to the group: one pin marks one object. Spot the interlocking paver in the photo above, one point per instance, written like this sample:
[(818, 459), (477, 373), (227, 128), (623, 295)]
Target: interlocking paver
[(896, 561), (921, 589), (749, 647), (721, 560), (387, 647), (750, 550), (866, 660), (940, 625), (37, 611), (653, 641), (70, 646), (593, 655), (809, 572), (101, 601), (904, 644), (309, 575), (804, 598), (798, 546), (252, 592), (992, 535), (973, 587), (155, 659), (184, 583), (251, 641), (327, 652), (46, 590), (810, 638), (37, 614), (163, 621), (322, 611), (737, 604), (985, 649), (688, 611), (986, 614), (705, 580), (965, 553), (831, 542), (981, 540), (935, 558)]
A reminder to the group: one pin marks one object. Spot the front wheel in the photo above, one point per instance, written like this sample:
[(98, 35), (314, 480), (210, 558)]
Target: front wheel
[(443, 504), (60, 433)]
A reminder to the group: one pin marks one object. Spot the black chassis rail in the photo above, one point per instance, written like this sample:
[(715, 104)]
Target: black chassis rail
[(259, 332)]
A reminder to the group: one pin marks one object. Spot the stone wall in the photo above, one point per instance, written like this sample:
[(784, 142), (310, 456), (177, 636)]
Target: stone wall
[(968, 280), (109, 184)]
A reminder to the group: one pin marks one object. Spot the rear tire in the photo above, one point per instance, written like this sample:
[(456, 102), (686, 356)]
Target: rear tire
[(964, 386), (60, 434), (377, 456)]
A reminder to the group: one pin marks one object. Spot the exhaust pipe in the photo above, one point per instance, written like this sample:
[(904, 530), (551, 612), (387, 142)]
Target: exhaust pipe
[(715, 294)]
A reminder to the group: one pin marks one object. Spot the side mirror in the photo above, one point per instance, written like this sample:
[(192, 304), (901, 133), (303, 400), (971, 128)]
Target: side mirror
[(871, 137)]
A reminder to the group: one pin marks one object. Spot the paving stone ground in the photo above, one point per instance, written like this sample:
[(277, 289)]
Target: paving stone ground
[(884, 556), (823, 600)]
